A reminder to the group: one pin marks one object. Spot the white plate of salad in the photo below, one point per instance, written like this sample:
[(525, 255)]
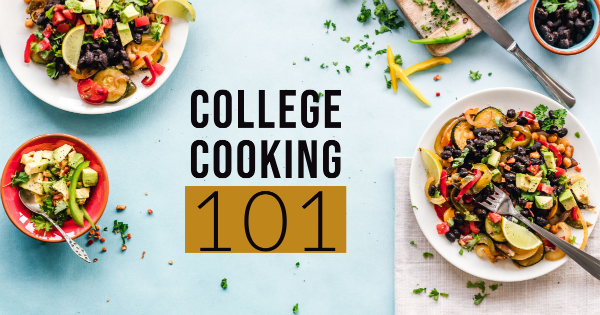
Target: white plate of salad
[(94, 56), (523, 143)]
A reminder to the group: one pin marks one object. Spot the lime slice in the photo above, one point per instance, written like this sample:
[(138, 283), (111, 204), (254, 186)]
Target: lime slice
[(432, 165), (518, 236), (175, 8), (71, 47)]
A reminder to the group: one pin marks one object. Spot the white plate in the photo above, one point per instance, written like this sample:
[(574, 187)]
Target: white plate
[(62, 93), (503, 98)]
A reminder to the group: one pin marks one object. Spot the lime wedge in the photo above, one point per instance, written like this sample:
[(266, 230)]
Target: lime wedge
[(432, 165), (518, 236), (71, 47), (175, 8)]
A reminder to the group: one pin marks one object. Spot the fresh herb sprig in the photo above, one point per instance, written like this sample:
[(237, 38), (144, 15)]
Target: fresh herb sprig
[(121, 227)]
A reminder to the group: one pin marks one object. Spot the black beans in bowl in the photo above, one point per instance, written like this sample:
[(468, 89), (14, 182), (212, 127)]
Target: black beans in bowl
[(563, 25)]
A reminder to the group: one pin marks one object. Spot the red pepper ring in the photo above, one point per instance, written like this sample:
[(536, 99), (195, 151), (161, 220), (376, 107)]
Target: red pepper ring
[(529, 116), (478, 174), (554, 150), (30, 40), (443, 187), (147, 82)]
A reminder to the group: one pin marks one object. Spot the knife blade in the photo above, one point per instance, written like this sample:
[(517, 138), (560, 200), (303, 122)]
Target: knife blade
[(487, 23)]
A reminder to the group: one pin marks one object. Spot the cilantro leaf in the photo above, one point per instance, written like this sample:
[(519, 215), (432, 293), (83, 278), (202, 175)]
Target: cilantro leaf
[(577, 135), (19, 178), (121, 227), (444, 294), (475, 75), (335, 63), (540, 112), (381, 52), (494, 287), (306, 58), (298, 264), (461, 159), (224, 283), (364, 14), (572, 240), (460, 251), (413, 243), (478, 284), (419, 2), (388, 83), (469, 245), (323, 66), (415, 207), (367, 35), (570, 5), (489, 74), (419, 290), (51, 70), (479, 298), (529, 196), (320, 95), (39, 223), (327, 23), (347, 69), (427, 254), (338, 71), (367, 64), (434, 294), (295, 309), (382, 29), (345, 39), (550, 5)]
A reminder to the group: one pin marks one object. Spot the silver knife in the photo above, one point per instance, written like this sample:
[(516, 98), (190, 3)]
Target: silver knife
[(489, 25)]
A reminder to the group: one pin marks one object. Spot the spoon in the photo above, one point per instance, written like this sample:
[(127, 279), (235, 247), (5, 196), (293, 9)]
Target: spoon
[(28, 199)]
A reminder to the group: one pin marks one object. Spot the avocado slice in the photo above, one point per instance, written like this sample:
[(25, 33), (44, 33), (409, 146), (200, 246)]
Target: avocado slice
[(61, 153), (580, 191), (33, 186), (61, 187), (75, 5), (494, 158), (124, 33), (88, 6), (90, 19), (544, 202), (90, 177), (549, 159), (508, 142), (129, 14), (76, 160), (567, 199), (103, 5)]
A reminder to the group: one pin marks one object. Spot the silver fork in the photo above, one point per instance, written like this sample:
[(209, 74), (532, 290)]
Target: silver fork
[(500, 203)]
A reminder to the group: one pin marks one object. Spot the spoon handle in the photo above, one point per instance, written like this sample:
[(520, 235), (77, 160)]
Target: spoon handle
[(79, 251)]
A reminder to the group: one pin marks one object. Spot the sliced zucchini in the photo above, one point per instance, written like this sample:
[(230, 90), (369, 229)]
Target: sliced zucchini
[(460, 133), (37, 58), (489, 228), (536, 258), (484, 114), (106, 79)]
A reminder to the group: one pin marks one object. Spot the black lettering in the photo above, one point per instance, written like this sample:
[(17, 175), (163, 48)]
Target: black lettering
[(313, 109), (288, 158), (331, 108), (228, 114), (241, 122), (251, 159), (204, 171), (217, 159), (268, 157), (284, 108), (337, 161), (204, 121), (262, 123), (304, 155)]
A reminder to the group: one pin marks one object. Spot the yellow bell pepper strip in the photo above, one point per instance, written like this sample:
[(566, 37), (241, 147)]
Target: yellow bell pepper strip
[(425, 65), (391, 62), (405, 80)]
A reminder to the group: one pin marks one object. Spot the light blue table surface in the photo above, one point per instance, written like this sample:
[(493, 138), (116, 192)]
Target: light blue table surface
[(244, 45)]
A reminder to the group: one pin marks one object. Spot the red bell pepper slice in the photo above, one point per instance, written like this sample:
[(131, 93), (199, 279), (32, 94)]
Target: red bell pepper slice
[(559, 172), (160, 69), (30, 40), (443, 187), (521, 137), (574, 215), (58, 18), (469, 185), (439, 211), (147, 82), (47, 32), (67, 14), (530, 117), (442, 228), (534, 169), (554, 150), (495, 217), (165, 20), (45, 44), (548, 244), (142, 21), (473, 227)]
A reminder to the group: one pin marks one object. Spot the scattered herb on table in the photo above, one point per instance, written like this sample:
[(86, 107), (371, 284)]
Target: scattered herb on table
[(338, 71), (294, 63), (327, 23), (106, 229), (478, 284), (345, 39), (295, 309), (494, 287), (460, 251), (489, 74), (382, 29), (413, 243), (435, 294), (320, 95), (298, 264), (323, 66), (224, 283), (334, 26), (361, 47), (335, 63), (347, 69), (388, 83), (475, 75), (381, 52), (414, 207), (121, 227), (479, 298), (364, 14), (306, 58), (367, 64), (427, 254), (419, 290), (577, 135), (367, 35)]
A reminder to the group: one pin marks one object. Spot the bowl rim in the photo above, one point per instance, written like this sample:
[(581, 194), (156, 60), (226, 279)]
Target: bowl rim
[(46, 136), (552, 48)]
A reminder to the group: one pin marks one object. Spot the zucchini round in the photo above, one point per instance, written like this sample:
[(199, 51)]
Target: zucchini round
[(536, 258), (37, 58), (460, 133), (106, 79), (496, 113), (489, 228)]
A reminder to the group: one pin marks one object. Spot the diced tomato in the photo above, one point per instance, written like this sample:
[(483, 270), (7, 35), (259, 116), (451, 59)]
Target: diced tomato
[(57, 18), (107, 23), (534, 169), (142, 21), (520, 138), (468, 198), (99, 33), (439, 210), (495, 217), (464, 230), (160, 69), (91, 93), (530, 117), (464, 239), (80, 22), (67, 14), (574, 215), (559, 172), (545, 188), (474, 227), (442, 228), (63, 28), (165, 20), (529, 205), (47, 32), (45, 44), (548, 244), (58, 7)]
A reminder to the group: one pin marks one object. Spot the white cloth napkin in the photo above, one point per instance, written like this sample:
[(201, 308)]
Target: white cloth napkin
[(567, 290)]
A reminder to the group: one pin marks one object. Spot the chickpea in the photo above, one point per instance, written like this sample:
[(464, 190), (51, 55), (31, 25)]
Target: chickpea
[(552, 138), (470, 135), (566, 162), (515, 133), (543, 138), (564, 142), (502, 148), (561, 148), (535, 136), (29, 23), (554, 229), (535, 126), (132, 57), (569, 151), (534, 155)]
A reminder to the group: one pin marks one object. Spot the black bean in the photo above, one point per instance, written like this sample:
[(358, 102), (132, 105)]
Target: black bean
[(505, 130), (589, 23), (525, 213), (494, 132), (458, 220), (564, 34), (585, 15), (446, 155), (126, 64), (580, 5), (511, 113), (541, 13), (484, 152), (559, 12), (481, 213), (137, 38), (148, 7), (572, 15), (456, 232), (579, 37), (103, 61), (110, 53), (89, 57), (478, 132), (540, 221), (580, 26), (95, 46), (535, 147), (431, 190), (510, 177), (468, 164), (574, 162), (565, 43), (469, 142), (522, 121), (450, 237), (511, 187), (448, 148), (558, 190), (563, 132), (521, 150), (463, 172), (523, 159), (479, 143), (456, 153), (124, 55)]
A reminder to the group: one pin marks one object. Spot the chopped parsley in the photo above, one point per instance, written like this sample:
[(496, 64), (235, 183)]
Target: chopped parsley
[(334, 26), (427, 254), (479, 298), (122, 227), (435, 294), (320, 95), (478, 284), (529, 196), (364, 14), (381, 52), (306, 58), (572, 240), (489, 74), (359, 47), (415, 207), (335, 63), (19, 178), (419, 290), (420, 2), (298, 264), (367, 35), (224, 283), (382, 29), (295, 309), (475, 75), (106, 229), (460, 251), (327, 23), (494, 287), (338, 71), (413, 243), (388, 83), (345, 39), (323, 66), (347, 69), (294, 63), (387, 18), (367, 64), (545, 121), (577, 135)]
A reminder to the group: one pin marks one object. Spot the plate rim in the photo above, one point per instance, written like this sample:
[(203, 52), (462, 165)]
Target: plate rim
[(413, 191)]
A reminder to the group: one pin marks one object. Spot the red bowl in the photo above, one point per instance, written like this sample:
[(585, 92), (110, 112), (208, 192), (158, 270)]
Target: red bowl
[(20, 215)]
